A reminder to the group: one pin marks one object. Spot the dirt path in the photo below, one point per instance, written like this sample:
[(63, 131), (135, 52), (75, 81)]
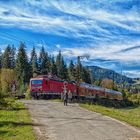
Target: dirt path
[(58, 122)]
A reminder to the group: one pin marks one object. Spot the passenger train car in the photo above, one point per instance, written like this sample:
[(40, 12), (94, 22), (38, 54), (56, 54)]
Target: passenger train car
[(50, 86), (92, 91)]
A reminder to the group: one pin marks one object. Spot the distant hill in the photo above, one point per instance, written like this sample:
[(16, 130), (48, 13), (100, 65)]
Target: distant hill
[(102, 73)]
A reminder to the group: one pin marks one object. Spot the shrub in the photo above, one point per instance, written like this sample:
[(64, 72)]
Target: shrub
[(135, 98), (27, 94), (9, 104), (7, 77)]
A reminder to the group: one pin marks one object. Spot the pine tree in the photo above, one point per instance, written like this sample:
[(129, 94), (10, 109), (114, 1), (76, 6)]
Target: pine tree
[(53, 66), (63, 70), (12, 57), (23, 69), (72, 71), (48, 63), (86, 75), (33, 62), (59, 63), (44, 62), (83, 74), (6, 58)]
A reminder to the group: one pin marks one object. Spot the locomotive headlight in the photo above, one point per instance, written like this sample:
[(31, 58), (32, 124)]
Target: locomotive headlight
[(38, 87)]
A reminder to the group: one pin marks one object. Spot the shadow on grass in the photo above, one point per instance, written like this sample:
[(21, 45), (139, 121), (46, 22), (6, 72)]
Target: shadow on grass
[(122, 104), (17, 109), (12, 108), (14, 124), (3, 132), (131, 107)]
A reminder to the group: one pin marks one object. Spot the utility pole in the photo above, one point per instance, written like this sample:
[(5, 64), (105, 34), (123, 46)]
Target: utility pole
[(78, 75), (113, 80), (122, 80), (78, 71), (91, 75)]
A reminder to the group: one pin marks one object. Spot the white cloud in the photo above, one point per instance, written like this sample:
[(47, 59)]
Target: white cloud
[(101, 14), (87, 19), (2, 47), (107, 52), (58, 46), (132, 73)]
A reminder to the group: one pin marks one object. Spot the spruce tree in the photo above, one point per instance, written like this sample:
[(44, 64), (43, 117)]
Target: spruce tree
[(44, 62), (6, 58), (83, 74), (59, 63), (23, 69), (48, 63), (63, 70), (12, 57), (33, 62), (86, 75), (72, 71), (53, 66)]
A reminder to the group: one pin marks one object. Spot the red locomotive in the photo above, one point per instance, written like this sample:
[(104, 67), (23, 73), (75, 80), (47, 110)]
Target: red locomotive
[(50, 86)]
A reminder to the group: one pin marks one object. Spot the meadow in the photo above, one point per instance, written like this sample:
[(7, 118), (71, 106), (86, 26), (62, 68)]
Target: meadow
[(131, 115), (15, 124)]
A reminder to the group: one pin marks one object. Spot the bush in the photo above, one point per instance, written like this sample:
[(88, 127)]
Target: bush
[(9, 104), (7, 76), (113, 103), (27, 94), (21, 92), (135, 98)]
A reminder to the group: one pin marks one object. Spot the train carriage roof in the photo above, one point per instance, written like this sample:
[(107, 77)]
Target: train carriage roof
[(112, 91), (89, 86)]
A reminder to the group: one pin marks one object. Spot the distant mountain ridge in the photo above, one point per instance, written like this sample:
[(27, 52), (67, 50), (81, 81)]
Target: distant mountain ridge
[(102, 73)]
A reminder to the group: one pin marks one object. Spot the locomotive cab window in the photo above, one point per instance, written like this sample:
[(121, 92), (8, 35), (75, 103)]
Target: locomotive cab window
[(36, 82)]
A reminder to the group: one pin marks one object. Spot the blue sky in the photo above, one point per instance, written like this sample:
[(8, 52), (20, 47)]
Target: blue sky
[(107, 30)]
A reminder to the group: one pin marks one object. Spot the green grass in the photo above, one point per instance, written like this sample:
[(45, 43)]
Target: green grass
[(129, 115), (16, 124)]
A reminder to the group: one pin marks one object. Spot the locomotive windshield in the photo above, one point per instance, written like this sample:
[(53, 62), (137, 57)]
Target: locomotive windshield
[(36, 82)]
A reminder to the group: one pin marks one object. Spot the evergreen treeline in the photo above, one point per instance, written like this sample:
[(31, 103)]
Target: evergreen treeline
[(26, 67), (16, 67)]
